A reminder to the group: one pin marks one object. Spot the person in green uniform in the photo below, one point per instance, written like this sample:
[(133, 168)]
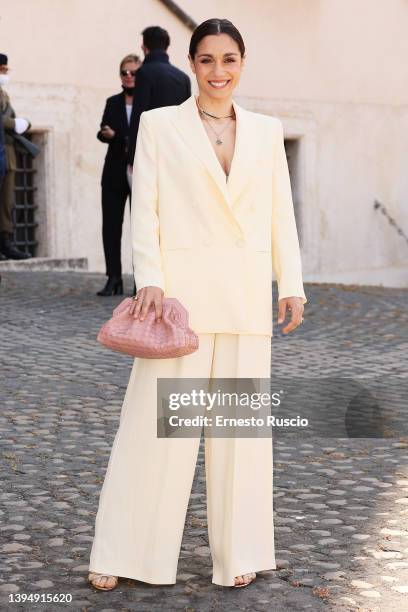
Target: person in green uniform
[(12, 125)]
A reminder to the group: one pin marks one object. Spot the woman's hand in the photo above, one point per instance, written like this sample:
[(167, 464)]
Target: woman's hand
[(107, 132), (295, 305), (145, 297)]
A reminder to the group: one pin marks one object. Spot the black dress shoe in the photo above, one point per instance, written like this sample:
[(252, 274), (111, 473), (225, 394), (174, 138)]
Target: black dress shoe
[(9, 250), (114, 286), (13, 253)]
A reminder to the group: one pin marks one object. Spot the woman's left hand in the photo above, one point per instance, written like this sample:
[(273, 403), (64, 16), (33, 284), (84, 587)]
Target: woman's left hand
[(295, 306)]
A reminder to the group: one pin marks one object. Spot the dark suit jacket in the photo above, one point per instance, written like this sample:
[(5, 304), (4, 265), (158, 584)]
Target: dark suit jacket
[(114, 169), (158, 83)]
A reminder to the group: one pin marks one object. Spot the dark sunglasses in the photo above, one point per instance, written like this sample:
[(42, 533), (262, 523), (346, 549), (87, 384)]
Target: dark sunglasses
[(128, 72)]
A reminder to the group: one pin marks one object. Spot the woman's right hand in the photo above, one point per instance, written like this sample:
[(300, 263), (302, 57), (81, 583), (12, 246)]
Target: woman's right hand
[(107, 132), (145, 297)]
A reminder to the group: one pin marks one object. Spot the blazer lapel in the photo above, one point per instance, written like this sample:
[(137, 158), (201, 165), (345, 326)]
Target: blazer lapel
[(189, 124), (123, 114), (245, 154)]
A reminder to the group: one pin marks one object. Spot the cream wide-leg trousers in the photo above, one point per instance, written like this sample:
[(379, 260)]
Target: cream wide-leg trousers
[(145, 494)]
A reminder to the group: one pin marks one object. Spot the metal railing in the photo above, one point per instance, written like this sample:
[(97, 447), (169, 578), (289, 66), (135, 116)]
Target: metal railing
[(391, 220)]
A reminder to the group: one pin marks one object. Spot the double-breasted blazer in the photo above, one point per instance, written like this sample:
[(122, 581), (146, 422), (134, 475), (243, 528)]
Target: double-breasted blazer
[(210, 242)]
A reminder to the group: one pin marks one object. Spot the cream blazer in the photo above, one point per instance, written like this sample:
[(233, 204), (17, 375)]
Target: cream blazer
[(211, 242)]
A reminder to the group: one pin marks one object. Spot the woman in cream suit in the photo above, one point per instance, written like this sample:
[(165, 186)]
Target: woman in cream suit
[(212, 216)]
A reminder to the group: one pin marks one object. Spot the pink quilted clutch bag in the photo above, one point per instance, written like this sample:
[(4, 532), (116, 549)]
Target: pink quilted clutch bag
[(170, 337)]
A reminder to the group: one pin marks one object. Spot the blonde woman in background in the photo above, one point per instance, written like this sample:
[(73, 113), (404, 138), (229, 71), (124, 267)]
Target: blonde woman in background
[(114, 131)]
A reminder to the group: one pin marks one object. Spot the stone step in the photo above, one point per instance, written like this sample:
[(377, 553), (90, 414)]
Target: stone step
[(45, 264)]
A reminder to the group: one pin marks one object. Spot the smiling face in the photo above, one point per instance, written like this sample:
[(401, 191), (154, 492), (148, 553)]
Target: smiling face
[(217, 65)]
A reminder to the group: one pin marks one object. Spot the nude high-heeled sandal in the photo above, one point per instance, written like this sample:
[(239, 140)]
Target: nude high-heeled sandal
[(95, 579), (248, 578)]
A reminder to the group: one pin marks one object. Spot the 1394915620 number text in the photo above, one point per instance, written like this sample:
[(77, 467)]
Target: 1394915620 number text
[(40, 597)]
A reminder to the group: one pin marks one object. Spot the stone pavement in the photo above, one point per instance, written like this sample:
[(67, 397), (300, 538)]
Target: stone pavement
[(341, 504)]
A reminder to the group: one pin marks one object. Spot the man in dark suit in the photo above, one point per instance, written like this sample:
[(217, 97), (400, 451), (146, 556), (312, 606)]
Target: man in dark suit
[(115, 187), (159, 83)]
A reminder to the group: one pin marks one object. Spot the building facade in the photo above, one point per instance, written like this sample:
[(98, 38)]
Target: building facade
[(334, 72)]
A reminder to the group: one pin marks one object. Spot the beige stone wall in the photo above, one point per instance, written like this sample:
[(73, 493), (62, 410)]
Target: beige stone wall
[(334, 71)]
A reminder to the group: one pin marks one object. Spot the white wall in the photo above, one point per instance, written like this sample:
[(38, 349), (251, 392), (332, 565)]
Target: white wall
[(334, 71)]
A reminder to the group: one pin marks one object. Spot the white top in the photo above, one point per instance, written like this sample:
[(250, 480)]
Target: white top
[(128, 111)]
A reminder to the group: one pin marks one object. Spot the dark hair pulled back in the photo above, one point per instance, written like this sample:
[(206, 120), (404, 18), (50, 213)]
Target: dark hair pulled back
[(215, 26)]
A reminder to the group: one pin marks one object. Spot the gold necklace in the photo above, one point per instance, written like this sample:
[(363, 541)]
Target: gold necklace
[(218, 134)]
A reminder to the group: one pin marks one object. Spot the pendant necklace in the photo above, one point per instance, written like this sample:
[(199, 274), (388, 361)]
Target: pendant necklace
[(218, 134)]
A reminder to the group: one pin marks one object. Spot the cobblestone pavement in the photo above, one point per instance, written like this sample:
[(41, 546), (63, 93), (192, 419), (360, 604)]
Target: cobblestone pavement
[(341, 504)]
